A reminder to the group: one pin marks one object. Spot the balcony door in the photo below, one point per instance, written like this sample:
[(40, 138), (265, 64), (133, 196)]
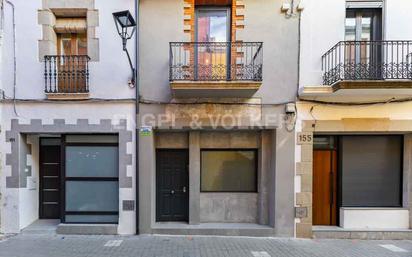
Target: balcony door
[(212, 54), (72, 51), (363, 49)]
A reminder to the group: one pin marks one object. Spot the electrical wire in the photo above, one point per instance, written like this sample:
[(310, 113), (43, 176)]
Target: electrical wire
[(390, 100), (200, 102)]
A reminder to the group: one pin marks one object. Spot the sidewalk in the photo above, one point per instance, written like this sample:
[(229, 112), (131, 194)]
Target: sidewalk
[(29, 245)]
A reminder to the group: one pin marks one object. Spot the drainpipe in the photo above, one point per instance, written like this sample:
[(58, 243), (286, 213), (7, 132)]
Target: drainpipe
[(137, 83)]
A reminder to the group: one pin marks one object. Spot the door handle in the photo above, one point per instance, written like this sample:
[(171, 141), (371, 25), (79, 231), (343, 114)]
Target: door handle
[(184, 189), (172, 192)]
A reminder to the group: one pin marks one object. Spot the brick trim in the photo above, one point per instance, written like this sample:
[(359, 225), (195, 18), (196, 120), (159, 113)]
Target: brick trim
[(238, 18), (304, 169)]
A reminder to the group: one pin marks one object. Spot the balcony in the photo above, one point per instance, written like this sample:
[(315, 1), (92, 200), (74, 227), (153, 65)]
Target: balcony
[(66, 77), (365, 70), (215, 69)]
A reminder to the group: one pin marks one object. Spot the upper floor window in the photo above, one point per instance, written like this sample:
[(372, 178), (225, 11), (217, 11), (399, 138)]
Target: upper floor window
[(363, 24), (213, 25), (71, 43), (215, 54), (67, 72), (212, 32), (364, 54)]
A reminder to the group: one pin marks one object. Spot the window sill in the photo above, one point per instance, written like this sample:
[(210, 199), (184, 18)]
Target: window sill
[(67, 96)]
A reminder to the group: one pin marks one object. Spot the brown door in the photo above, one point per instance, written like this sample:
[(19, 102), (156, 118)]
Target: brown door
[(324, 187), (72, 49)]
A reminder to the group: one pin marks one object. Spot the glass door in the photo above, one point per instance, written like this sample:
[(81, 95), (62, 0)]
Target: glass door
[(91, 179), (363, 36), (212, 44)]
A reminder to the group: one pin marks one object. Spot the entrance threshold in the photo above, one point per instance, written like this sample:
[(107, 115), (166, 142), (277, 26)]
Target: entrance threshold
[(335, 232), (215, 229), (43, 226), (87, 229)]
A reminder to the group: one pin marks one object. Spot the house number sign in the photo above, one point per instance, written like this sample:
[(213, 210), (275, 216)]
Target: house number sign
[(305, 138)]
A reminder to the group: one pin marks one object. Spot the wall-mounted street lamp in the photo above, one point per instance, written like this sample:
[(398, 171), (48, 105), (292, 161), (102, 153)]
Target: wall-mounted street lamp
[(126, 27)]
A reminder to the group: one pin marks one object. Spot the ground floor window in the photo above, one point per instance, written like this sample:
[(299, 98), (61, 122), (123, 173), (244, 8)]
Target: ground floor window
[(91, 180), (229, 170), (371, 171)]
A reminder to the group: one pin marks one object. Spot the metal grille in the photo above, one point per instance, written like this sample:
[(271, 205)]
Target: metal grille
[(66, 74), (367, 60), (128, 205), (214, 61)]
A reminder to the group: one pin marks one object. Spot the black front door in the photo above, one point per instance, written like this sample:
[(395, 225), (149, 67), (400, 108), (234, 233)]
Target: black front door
[(172, 185), (49, 178)]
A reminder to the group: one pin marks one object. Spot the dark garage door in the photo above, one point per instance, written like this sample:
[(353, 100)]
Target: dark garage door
[(371, 171)]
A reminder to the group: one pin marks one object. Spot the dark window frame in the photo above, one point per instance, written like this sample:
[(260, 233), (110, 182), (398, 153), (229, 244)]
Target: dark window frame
[(256, 171), (97, 179), (376, 33)]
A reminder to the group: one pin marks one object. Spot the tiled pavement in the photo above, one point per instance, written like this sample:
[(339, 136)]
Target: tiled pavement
[(27, 245)]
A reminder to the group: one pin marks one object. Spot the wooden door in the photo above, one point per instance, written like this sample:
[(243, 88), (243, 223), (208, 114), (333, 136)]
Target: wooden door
[(72, 49), (324, 187), (172, 185), (50, 182)]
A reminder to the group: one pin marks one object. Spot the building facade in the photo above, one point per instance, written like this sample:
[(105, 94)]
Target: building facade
[(67, 123), (258, 118), (215, 78), (353, 161), (214, 137)]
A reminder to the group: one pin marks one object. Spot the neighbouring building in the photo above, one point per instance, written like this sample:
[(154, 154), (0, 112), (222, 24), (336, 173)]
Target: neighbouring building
[(354, 144), (67, 117), (216, 135)]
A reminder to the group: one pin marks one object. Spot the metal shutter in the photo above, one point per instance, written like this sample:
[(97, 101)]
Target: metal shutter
[(371, 171)]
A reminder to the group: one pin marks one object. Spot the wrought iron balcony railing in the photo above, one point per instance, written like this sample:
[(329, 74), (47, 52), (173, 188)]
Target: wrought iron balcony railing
[(66, 74), (368, 60), (216, 61)]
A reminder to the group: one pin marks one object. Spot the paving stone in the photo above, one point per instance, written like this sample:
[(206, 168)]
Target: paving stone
[(194, 246)]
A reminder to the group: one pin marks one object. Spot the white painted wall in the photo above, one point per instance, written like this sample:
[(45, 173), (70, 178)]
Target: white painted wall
[(108, 77), (20, 206), (374, 218), (108, 80), (397, 20), (29, 197), (323, 25)]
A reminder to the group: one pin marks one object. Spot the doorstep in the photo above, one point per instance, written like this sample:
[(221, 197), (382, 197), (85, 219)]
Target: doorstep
[(334, 232), (87, 229), (42, 227), (215, 229)]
